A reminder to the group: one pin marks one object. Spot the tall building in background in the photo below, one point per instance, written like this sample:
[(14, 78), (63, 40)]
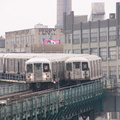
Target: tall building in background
[(98, 11), (62, 6), (2, 44)]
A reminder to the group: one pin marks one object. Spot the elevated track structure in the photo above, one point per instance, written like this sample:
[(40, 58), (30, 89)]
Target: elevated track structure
[(66, 103)]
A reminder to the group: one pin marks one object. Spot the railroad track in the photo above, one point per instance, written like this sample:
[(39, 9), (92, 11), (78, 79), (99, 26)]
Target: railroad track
[(21, 95), (13, 96)]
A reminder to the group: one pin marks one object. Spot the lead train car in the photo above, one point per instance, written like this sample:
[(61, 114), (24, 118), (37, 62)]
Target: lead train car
[(44, 72)]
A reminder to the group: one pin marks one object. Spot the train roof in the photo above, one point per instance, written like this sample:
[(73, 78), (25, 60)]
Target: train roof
[(93, 57), (29, 55), (46, 59), (47, 55), (24, 55), (76, 59), (36, 60)]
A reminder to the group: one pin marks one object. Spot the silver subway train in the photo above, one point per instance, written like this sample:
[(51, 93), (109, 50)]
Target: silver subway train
[(43, 70), (70, 68)]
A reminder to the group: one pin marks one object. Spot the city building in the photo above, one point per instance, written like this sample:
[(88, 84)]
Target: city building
[(34, 40), (39, 25), (62, 6), (97, 12), (2, 44), (101, 37)]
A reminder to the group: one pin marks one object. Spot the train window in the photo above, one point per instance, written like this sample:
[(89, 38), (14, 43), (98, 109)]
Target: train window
[(84, 66), (29, 68), (11, 62), (46, 67), (76, 65), (37, 66), (69, 66)]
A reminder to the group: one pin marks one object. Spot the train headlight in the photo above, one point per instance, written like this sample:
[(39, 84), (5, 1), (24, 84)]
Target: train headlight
[(31, 76), (44, 76), (54, 82)]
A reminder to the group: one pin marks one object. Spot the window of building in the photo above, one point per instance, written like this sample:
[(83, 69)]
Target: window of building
[(104, 70), (119, 52), (112, 53), (94, 35), (94, 51), (68, 38), (119, 33), (103, 34), (65, 38), (85, 36), (112, 74), (69, 51), (103, 53), (84, 51), (112, 33), (114, 115), (119, 71), (76, 51), (66, 51), (76, 37)]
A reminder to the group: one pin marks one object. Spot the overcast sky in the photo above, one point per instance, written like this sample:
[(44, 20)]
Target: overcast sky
[(24, 14)]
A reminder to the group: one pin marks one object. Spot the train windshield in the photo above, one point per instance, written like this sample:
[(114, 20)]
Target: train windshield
[(46, 67), (37, 66), (84, 66), (76, 65), (29, 68), (69, 66)]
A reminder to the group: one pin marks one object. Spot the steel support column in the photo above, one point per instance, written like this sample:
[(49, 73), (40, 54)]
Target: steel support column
[(92, 115), (75, 117)]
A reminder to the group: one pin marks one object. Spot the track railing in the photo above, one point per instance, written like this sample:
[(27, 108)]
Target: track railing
[(12, 76), (13, 88)]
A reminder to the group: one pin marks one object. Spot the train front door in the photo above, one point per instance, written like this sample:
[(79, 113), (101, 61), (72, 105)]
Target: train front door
[(76, 71), (37, 71)]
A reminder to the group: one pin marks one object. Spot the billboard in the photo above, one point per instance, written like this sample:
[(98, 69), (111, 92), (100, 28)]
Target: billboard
[(51, 42)]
